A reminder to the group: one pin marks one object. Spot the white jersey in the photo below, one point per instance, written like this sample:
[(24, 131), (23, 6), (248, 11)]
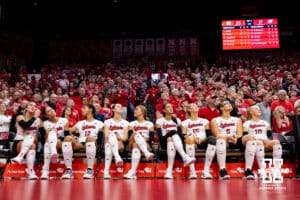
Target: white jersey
[(117, 128), (257, 128), (141, 127), (4, 123), (167, 125), (195, 127), (227, 126), (33, 129), (59, 126), (88, 129)]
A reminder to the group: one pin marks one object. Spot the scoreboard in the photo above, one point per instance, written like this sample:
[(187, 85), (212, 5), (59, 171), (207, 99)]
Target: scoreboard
[(250, 34)]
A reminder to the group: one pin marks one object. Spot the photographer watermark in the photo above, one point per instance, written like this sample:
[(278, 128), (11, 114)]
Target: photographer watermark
[(271, 174)]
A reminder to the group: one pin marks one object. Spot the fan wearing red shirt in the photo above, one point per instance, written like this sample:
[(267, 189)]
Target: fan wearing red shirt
[(282, 101), (210, 111)]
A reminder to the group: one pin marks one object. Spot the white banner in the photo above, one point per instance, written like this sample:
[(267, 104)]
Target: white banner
[(171, 47), (139, 47), (182, 46), (194, 46), (160, 47), (128, 47), (117, 48), (150, 47)]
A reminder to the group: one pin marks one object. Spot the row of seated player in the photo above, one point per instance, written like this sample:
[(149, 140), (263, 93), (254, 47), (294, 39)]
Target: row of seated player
[(228, 131)]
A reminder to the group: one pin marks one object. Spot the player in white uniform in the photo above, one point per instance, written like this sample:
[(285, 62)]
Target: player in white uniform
[(116, 133), (88, 130), (169, 133), (228, 131), (4, 123), (55, 128), (141, 130), (28, 125), (255, 139), (197, 132)]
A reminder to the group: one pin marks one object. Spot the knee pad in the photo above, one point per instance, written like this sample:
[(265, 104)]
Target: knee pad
[(90, 148), (28, 141), (107, 150), (221, 146), (277, 151), (52, 137), (260, 151), (211, 150), (171, 149), (67, 148), (212, 140), (251, 146), (112, 137), (136, 153)]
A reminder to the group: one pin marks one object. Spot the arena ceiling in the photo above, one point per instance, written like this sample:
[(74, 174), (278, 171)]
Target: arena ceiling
[(108, 16)]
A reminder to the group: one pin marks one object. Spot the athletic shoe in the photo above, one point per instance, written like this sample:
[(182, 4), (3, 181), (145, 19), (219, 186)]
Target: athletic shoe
[(32, 175), (223, 174), (150, 156), (249, 174), (130, 175), (119, 162), (106, 174), (193, 175), (16, 160), (168, 174), (68, 174), (277, 175), (188, 160), (54, 158), (206, 175), (89, 174), (45, 174)]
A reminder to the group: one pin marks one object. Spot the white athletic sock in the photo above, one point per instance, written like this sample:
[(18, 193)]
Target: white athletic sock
[(171, 155), (52, 140), (221, 153), (140, 141), (209, 156), (277, 151), (135, 159), (179, 146), (47, 156), (250, 154), (108, 156), (30, 158), (260, 155), (190, 150), (113, 141), (68, 154), (26, 144), (90, 154)]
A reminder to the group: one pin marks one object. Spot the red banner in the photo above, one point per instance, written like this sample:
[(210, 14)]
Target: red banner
[(114, 170), (199, 169), (178, 170)]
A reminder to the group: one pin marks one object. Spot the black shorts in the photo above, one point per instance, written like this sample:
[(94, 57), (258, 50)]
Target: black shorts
[(238, 145), (164, 140)]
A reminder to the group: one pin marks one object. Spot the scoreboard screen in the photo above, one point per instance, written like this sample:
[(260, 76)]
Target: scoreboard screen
[(250, 34)]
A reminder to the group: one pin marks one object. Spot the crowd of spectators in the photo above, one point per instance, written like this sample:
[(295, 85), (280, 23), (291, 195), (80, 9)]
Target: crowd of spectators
[(270, 79)]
